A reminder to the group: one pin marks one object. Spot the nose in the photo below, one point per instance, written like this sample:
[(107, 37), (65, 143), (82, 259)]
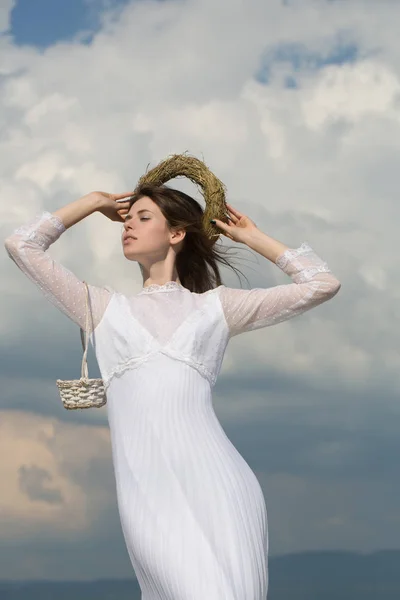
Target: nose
[(127, 228)]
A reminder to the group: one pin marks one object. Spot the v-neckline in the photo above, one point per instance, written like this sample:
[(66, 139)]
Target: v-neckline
[(181, 325)]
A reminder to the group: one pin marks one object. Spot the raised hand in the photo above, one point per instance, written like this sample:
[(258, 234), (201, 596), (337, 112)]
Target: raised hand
[(112, 206), (240, 226)]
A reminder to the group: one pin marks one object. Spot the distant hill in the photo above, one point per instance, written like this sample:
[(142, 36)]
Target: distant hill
[(305, 576), (336, 576)]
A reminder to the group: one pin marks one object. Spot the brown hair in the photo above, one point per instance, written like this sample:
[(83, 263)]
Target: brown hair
[(196, 262)]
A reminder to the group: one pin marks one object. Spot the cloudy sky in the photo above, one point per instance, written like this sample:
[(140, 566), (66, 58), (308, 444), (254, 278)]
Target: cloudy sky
[(295, 105)]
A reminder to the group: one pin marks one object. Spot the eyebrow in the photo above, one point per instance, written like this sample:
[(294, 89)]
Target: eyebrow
[(138, 212)]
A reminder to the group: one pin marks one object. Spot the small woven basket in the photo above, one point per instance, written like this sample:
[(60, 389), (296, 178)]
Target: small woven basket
[(83, 392), (212, 189)]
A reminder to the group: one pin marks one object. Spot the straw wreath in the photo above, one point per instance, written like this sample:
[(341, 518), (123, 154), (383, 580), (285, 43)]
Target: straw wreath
[(212, 189)]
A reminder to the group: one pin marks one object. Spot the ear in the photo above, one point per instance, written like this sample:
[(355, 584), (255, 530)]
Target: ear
[(177, 235)]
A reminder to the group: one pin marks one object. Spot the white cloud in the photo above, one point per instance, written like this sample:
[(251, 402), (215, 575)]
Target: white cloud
[(5, 13), (45, 463), (352, 92)]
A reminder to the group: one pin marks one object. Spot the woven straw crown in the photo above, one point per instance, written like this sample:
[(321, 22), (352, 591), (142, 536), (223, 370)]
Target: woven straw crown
[(212, 189)]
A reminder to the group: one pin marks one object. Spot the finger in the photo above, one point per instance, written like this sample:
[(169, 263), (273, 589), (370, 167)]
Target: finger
[(235, 214), (234, 211), (221, 225), (232, 217), (124, 195)]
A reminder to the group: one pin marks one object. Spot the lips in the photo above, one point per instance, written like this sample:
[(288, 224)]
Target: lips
[(129, 237)]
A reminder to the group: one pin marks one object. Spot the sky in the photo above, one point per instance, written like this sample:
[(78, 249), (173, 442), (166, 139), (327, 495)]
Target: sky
[(295, 105)]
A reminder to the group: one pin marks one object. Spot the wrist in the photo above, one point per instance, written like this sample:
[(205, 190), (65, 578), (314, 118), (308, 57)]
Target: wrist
[(77, 210), (253, 237), (92, 203), (265, 245)]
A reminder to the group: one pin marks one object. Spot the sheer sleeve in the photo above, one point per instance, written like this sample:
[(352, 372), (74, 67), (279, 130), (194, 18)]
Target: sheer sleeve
[(27, 246), (312, 284)]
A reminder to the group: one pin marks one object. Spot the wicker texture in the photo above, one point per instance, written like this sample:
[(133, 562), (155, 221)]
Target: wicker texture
[(213, 190), (83, 392)]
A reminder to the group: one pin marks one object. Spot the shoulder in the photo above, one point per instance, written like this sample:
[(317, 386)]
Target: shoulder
[(209, 292)]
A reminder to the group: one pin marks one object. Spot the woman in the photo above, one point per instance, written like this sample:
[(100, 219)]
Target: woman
[(192, 511)]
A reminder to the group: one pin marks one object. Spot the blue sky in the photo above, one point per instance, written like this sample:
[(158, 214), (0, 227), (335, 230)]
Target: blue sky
[(42, 23), (298, 58)]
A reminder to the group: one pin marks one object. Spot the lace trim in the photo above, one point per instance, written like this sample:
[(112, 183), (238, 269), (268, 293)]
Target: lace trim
[(120, 369), (308, 273), (29, 228), (165, 287), (292, 253), (56, 221), (135, 362), (39, 239)]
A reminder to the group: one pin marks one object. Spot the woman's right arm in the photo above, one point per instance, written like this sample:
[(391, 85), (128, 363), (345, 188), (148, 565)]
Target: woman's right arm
[(27, 247)]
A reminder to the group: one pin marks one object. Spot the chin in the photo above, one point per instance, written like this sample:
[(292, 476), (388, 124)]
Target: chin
[(127, 254)]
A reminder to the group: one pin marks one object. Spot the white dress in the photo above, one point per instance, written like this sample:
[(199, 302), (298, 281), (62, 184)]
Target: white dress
[(192, 511)]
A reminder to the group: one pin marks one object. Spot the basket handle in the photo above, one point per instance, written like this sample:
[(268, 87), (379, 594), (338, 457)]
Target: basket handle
[(84, 369)]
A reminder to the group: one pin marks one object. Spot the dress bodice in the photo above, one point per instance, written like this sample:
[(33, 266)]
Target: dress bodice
[(175, 322)]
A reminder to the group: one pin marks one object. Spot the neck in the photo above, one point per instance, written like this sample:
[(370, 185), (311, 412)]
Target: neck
[(160, 272)]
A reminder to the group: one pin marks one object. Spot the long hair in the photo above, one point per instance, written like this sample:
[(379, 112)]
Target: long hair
[(197, 260)]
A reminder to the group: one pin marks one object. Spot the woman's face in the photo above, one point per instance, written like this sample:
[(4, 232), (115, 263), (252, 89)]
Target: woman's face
[(145, 232)]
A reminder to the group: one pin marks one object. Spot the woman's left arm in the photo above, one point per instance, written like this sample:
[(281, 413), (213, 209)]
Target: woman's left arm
[(312, 281)]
